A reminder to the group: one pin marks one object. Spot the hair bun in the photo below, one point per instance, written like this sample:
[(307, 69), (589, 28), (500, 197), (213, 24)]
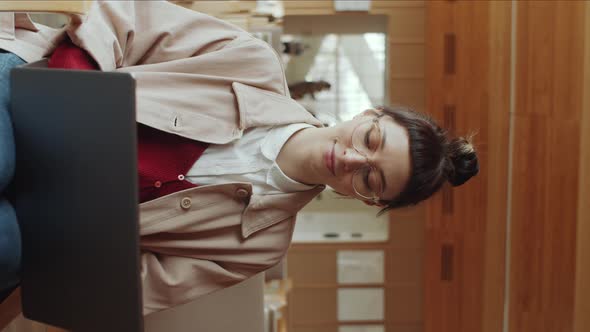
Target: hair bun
[(463, 160)]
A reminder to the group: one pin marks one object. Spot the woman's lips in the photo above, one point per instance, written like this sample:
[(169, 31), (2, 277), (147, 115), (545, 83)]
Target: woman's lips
[(329, 159)]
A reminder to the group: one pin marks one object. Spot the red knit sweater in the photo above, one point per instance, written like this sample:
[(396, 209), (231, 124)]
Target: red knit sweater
[(163, 159)]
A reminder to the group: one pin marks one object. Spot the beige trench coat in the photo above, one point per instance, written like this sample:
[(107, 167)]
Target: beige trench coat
[(203, 79)]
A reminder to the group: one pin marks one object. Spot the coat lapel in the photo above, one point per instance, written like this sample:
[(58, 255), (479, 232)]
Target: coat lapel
[(259, 107), (266, 210)]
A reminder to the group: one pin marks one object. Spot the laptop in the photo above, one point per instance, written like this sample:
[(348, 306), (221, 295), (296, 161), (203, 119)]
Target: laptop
[(75, 195)]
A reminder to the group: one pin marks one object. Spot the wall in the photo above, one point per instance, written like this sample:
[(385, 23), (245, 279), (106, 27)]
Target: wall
[(518, 72), (582, 290), (468, 72), (546, 160)]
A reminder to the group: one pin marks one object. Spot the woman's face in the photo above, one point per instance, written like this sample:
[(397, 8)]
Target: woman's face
[(366, 158)]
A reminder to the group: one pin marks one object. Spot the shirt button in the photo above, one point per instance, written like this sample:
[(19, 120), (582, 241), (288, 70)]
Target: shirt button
[(181, 177), (242, 193), (157, 184), (185, 203)]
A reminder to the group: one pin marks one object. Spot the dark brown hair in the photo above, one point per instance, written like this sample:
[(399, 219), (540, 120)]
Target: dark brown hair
[(435, 158)]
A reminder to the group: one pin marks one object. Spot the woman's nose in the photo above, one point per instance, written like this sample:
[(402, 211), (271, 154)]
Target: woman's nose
[(353, 160)]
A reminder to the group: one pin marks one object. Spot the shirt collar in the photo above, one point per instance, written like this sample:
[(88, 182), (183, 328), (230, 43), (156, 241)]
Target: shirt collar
[(271, 146)]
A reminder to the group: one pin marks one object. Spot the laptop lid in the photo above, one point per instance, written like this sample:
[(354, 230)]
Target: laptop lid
[(75, 194)]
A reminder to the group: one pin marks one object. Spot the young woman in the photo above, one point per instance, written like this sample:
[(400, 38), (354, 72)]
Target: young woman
[(226, 158)]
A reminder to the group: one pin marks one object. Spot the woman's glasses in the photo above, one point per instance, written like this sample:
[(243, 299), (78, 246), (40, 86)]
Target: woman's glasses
[(367, 180)]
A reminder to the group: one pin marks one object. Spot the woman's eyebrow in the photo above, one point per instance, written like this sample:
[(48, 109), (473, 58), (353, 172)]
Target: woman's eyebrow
[(383, 141), (384, 189)]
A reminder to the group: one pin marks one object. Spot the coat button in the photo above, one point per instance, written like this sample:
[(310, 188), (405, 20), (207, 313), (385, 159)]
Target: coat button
[(185, 203), (157, 184), (242, 193)]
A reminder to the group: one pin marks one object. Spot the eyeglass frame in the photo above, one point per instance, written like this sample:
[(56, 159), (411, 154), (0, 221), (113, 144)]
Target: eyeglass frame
[(368, 164)]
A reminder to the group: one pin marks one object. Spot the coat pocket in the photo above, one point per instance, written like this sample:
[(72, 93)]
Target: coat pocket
[(195, 209)]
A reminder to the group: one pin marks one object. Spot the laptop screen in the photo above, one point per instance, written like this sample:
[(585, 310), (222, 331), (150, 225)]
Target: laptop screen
[(75, 193)]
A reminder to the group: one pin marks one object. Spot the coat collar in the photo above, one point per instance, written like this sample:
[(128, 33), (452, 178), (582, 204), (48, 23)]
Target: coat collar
[(224, 123), (266, 210), (258, 107)]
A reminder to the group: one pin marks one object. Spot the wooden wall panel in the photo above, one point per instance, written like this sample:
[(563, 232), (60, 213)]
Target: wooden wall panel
[(543, 224), (550, 57), (406, 328), (582, 289), (468, 71), (405, 265), (439, 313), (298, 4), (405, 37), (403, 305), (314, 329), (312, 305), (408, 92), (407, 61), (406, 229), (496, 149), (441, 310), (438, 23), (312, 267), (549, 188), (407, 25), (546, 165)]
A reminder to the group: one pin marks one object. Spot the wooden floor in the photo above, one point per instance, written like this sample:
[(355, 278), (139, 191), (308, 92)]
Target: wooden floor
[(534, 152)]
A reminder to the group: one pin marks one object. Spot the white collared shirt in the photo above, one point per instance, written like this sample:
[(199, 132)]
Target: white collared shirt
[(249, 159)]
